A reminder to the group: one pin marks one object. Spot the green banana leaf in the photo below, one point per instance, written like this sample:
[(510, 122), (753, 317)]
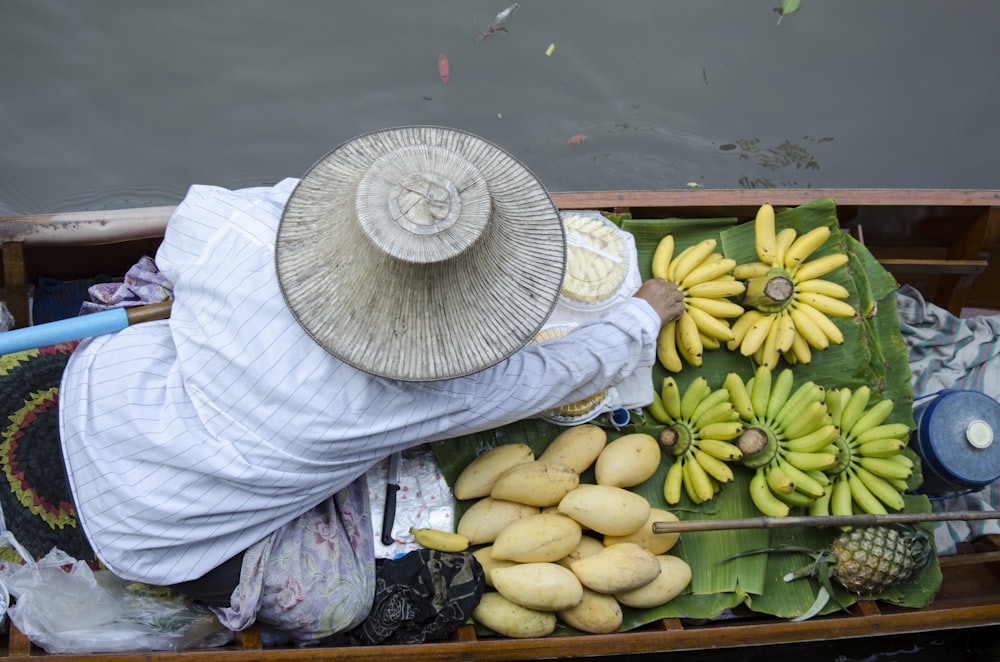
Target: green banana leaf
[(873, 353)]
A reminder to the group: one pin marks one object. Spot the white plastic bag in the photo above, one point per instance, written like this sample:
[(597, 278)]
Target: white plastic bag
[(64, 607)]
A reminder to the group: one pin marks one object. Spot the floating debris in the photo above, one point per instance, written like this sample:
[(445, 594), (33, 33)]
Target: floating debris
[(787, 7), (497, 24), (443, 70), (576, 138), (550, 50)]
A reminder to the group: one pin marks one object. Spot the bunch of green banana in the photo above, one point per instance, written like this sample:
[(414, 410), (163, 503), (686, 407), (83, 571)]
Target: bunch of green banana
[(872, 472), (788, 303), (789, 440), (699, 424), (704, 278)]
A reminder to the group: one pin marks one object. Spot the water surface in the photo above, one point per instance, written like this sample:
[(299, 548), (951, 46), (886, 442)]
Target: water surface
[(117, 103)]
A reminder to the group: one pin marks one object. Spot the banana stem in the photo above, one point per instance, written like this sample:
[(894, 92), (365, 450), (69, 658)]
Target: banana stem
[(758, 447), (767, 292), (676, 439), (830, 520)]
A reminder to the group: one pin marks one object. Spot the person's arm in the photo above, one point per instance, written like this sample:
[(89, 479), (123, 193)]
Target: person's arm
[(590, 358)]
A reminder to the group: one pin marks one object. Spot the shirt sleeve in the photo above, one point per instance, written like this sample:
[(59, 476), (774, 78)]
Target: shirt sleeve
[(589, 359)]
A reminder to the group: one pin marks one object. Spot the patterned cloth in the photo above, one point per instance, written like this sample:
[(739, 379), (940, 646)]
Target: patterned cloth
[(313, 577), (143, 284), (423, 596), (948, 351)]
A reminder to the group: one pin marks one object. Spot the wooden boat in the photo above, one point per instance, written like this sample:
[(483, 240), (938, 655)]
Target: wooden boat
[(944, 242)]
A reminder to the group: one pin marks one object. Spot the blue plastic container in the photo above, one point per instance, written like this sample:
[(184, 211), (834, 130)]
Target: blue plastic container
[(958, 440)]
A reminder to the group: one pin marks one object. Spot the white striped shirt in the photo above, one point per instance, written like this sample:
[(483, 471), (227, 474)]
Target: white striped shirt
[(189, 439)]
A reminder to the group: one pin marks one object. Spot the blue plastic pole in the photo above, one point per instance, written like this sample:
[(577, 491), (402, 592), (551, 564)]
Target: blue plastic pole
[(74, 328)]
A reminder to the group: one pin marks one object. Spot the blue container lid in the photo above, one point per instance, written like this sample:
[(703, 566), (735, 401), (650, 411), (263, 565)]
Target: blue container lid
[(958, 436)]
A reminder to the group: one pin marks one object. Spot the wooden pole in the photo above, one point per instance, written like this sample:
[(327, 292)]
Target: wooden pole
[(148, 312), (831, 520)]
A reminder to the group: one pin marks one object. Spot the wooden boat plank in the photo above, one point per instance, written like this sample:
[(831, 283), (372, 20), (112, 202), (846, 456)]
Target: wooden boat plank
[(755, 197), (702, 637), (14, 279), (86, 227), (903, 265)]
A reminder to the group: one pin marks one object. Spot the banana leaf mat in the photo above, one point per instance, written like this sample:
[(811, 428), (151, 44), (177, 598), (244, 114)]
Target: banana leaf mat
[(873, 353)]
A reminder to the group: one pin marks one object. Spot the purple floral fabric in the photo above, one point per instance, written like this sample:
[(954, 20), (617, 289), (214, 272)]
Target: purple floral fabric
[(312, 578), (143, 284)]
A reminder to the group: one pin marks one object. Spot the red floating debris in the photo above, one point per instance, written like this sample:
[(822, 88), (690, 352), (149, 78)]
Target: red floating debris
[(576, 138), (443, 67)]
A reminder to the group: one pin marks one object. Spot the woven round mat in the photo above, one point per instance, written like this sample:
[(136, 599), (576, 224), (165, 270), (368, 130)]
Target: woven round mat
[(34, 491)]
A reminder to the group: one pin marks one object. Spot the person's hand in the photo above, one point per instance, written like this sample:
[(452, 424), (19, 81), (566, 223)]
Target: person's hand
[(665, 298)]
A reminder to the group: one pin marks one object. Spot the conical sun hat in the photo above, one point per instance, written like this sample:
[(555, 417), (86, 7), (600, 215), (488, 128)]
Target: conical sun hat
[(420, 253)]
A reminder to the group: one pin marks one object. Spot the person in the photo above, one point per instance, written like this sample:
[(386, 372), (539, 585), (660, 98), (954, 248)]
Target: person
[(384, 300)]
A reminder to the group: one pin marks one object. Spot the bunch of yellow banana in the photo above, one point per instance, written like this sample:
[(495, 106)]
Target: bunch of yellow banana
[(788, 303), (789, 440), (699, 424), (705, 279), (872, 473)]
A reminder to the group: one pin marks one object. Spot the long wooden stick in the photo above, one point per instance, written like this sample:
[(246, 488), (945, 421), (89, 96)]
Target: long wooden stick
[(831, 520)]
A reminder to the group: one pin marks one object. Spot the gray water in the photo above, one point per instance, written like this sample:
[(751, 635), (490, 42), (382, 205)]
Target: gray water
[(118, 103)]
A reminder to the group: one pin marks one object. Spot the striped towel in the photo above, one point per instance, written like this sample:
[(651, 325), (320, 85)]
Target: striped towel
[(949, 352)]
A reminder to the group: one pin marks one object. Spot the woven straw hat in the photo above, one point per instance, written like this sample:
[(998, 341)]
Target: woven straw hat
[(420, 253)]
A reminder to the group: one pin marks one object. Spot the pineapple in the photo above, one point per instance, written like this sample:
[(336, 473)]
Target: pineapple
[(869, 560), (866, 561)]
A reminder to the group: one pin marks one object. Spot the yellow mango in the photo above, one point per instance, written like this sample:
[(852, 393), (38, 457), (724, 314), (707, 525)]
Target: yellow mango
[(597, 613), (511, 619), (537, 538), (541, 586), (588, 546), (483, 555), (613, 511), (628, 460), (478, 477), (657, 543), (675, 575), (535, 483), (577, 447), (619, 568), (487, 517)]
